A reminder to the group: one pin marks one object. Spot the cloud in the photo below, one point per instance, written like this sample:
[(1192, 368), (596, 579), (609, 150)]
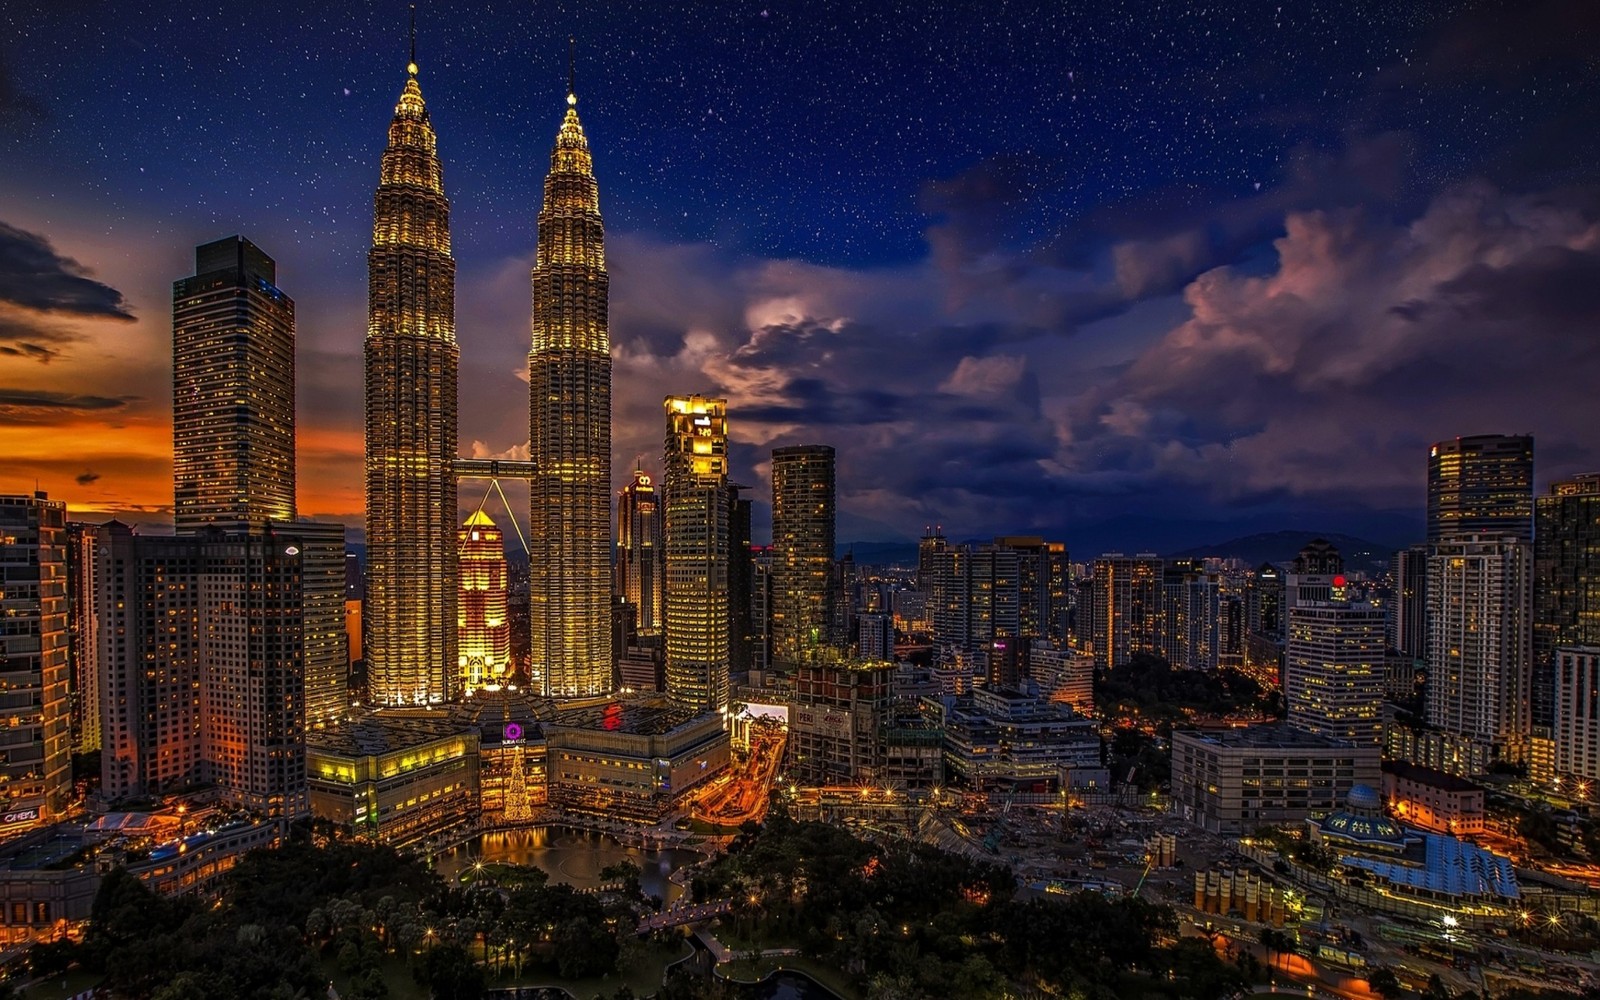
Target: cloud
[(85, 478), (34, 276), (28, 399), (1327, 376)]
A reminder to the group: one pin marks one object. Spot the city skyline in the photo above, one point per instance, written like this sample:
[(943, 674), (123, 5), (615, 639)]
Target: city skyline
[(921, 324)]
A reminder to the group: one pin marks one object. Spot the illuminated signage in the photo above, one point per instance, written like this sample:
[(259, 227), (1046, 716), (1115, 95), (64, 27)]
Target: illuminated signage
[(20, 816), (702, 421), (292, 550), (513, 732)]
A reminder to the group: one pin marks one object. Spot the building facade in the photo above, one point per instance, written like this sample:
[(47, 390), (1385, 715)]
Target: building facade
[(411, 362), (233, 455), (1576, 723), (1408, 608), (1479, 641), (569, 392), (640, 566), (1566, 586), (1433, 800), (394, 777), (1233, 781), (697, 539), (1127, 609), (83, 629), (1334, 670), (483, 606), (840, 709), (36, 767), (804, 510), (632, 761), (1481, 485)]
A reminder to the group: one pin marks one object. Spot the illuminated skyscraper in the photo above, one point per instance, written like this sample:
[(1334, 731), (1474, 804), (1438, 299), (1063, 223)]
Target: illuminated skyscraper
[(569, 390), (696, 464), (232, 390), (803, 515), (411, 362), (485, 630), (35, 770), (1481, 485), (640, 566), (1127, 607)]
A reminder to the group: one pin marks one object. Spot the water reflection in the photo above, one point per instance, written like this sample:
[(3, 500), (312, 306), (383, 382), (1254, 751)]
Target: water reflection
[(574, 857)]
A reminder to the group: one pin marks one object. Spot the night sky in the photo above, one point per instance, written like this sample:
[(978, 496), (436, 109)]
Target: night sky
[(1133, 275)]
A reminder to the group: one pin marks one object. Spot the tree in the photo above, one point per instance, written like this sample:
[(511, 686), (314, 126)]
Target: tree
[(450, 974), (1386, 984)]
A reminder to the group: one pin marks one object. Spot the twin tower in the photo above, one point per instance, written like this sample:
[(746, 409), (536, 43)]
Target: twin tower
[(411, 436)]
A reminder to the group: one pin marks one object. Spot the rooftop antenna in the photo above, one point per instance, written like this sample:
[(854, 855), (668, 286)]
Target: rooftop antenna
[(411, 67), (572, 70)]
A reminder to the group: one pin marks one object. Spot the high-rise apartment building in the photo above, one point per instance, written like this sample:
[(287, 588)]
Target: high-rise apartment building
[(232, 390), (325, 640), (1408, 618), (1042, 572), (803, 515), (1566, 588), (483, 605), (1479, 639), (1127, 607), (640, 566), (36, 767), (569, 393), (1576, 716), (411, 367), (741, 584), (83, 624), (1334, 670), (206, 643), (1481, 485), (697, 538), (976, 599)]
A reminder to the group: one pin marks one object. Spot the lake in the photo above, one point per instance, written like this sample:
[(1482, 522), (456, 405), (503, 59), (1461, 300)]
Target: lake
[(574, 857)]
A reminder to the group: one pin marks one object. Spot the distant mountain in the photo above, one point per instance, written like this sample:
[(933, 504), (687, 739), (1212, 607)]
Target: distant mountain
[(1283, 546)]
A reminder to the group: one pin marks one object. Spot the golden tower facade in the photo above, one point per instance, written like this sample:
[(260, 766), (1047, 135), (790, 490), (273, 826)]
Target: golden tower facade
[(569, 388), (697, 539), (484, 632), (411, 365)]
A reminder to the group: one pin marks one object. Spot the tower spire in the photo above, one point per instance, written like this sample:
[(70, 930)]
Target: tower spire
[(572, 70), (411, 67)]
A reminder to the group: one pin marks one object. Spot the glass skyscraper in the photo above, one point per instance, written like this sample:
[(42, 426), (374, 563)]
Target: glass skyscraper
[(697, 536), (569, 393), (411, 366), (803, 517), (232, 390)]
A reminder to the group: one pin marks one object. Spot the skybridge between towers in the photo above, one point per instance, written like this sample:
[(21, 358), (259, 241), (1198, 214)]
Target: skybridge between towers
[(494, 470)]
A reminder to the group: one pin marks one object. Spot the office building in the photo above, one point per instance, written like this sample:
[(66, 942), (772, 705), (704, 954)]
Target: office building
[(875, 636), (1334, 671), (1003, 739), (697, 538), (233, 455), (36, 768), (1234, 781), (1432, 800), (1479, 640), (394, 778), (640, 566), (484, 639), (1042, 581), (834, 728), (803, 514), (411, 382), (569, 391), (974, 601), (325, 616), (1566, 587), (1063, 675), (1127, 612), (1481, 485)]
